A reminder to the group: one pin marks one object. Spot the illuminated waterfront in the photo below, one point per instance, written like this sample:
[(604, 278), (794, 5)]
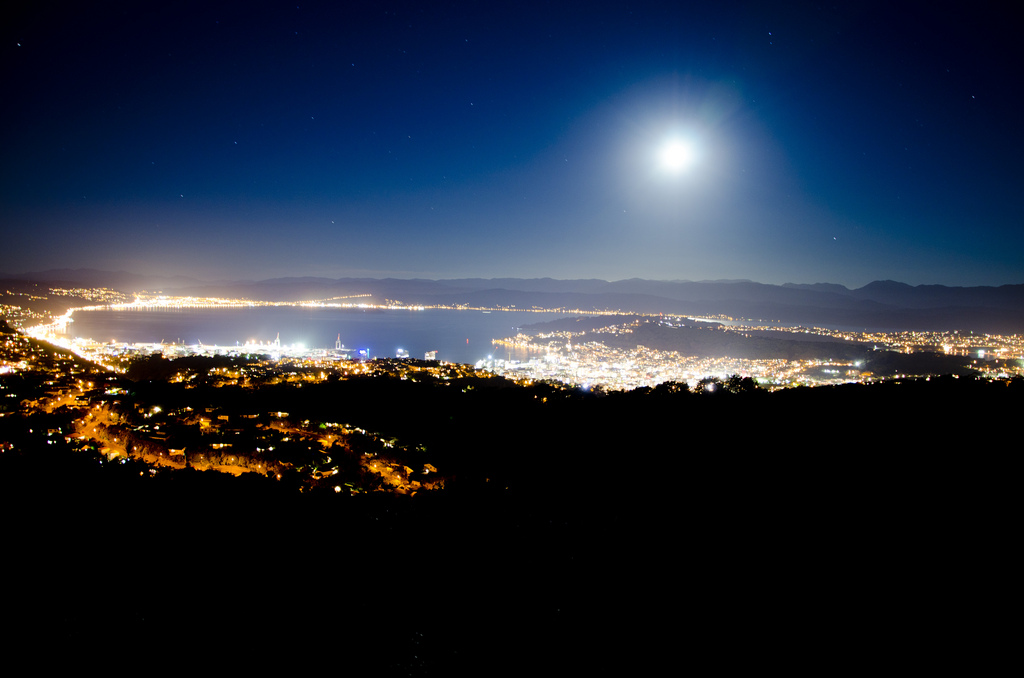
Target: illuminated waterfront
[(346, 328), (456, 336), (584, 358)]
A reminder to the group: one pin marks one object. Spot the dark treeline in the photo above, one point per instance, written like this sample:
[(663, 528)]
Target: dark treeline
[(156, 367), (567, 443)]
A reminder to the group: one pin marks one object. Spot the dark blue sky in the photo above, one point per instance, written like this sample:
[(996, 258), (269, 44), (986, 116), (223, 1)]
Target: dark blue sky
[(833, 142)]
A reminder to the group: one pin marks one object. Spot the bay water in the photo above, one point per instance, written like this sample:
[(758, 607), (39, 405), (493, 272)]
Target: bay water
[(457, 336)]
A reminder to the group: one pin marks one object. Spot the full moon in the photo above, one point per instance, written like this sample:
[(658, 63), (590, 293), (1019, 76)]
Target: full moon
[(677, 156)]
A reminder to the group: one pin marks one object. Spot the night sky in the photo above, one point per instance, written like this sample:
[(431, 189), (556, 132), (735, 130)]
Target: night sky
[(827, 142)]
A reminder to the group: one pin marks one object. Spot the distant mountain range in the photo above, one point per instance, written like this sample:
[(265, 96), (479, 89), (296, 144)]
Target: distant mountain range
[(882, 304)]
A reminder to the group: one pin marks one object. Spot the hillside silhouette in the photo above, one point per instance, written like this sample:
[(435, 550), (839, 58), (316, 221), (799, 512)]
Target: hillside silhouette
[(567, 513)]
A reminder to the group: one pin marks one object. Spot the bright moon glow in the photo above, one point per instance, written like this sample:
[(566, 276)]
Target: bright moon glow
[(677, 156)]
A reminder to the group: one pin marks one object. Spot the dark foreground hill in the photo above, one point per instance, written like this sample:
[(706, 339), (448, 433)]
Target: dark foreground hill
[(809, 528)]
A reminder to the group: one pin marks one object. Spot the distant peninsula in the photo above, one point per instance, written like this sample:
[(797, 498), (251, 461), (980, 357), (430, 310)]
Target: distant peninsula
[(882, 304)]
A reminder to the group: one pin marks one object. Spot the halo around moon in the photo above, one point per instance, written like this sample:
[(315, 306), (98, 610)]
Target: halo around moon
[(677, 156)]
